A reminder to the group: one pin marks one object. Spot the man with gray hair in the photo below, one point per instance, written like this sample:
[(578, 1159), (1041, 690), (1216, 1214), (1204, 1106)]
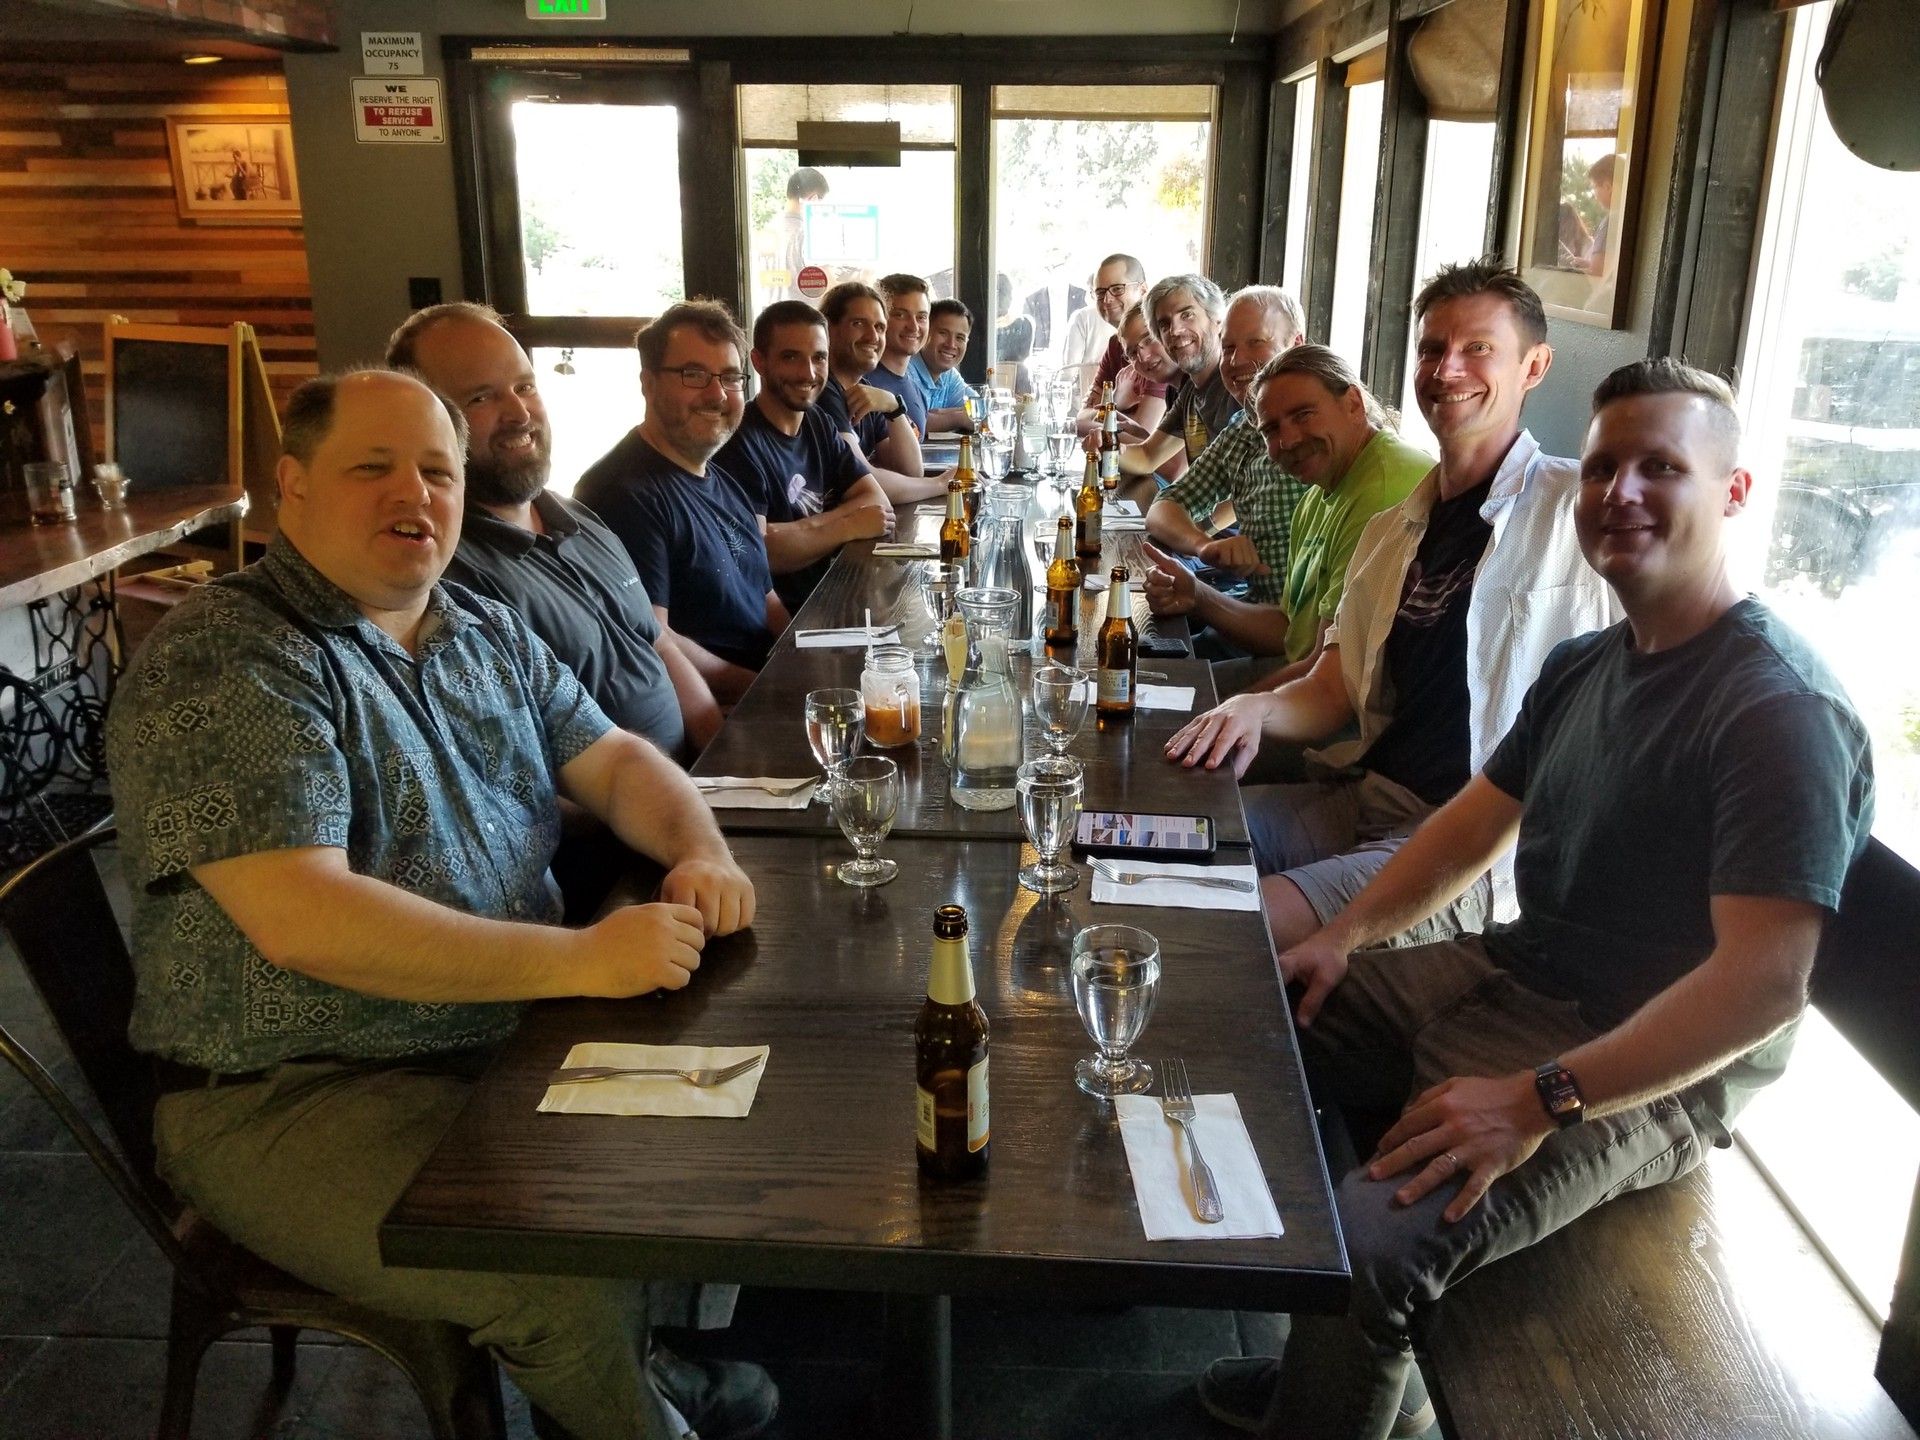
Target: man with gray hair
[(1322, 428), (1185, 313), (1234, 482), (338, 781)]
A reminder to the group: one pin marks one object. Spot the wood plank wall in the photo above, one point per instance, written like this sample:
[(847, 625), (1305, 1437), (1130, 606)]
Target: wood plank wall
[(87, 215)]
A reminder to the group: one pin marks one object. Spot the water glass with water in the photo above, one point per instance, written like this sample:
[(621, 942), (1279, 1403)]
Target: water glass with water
[(1049, 789), (1061, 698), (866, 799), (836, 723), (1116, 979)]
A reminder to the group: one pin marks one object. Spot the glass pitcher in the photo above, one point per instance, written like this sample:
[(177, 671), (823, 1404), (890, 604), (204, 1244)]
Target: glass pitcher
[(1001, 563), (986, 738)]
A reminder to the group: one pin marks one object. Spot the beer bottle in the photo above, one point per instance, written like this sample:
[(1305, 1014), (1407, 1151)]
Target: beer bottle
[(969, 481), (1063, 595), (1109, 439), (1086, 512), (950, 1059), (955, 540), (1119, 651)]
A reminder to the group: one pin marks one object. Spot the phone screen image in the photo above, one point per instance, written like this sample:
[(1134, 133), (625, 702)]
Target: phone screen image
[(1134, 830)]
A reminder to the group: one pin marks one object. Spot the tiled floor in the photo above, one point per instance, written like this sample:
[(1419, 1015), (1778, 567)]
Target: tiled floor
[(83, 1314)]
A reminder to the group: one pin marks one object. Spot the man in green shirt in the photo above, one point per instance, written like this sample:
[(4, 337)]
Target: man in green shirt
[(1321, 426)]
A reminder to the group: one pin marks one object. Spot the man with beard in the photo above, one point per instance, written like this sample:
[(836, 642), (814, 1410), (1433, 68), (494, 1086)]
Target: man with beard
[(1118, 286), (811, 489), (548, 557), (875, 420), (1235, 482), (1184, 313), (687, 524)]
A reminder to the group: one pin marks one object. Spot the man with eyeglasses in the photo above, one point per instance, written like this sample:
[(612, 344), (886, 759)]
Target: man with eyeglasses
[(875, 420), (687, 524), (549, 557), (1093, 340), (812, 490)]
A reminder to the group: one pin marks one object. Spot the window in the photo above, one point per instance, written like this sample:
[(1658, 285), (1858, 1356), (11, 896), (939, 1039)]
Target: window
[(855, 222), (592, 398), (1831, 540), (1453, 227), (1359, 188), (1082, 171), (1305, 94)]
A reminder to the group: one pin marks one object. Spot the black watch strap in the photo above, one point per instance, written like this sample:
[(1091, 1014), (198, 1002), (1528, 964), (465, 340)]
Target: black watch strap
[(1560, 1094)]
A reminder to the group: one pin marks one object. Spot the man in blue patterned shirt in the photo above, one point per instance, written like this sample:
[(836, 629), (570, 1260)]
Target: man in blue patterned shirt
[(337, 784)]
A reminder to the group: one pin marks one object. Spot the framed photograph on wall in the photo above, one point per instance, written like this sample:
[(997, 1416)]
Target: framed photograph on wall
[(234, 172), (1586, 153)]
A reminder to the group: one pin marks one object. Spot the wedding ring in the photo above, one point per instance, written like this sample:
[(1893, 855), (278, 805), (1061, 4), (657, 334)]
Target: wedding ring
[(1453, 1161)]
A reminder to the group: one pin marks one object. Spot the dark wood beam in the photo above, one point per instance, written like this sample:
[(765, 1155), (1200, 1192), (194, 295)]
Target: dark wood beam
[(973, 225), (1239, 164), (1281, 103), (1323, 197), (1396, 219)]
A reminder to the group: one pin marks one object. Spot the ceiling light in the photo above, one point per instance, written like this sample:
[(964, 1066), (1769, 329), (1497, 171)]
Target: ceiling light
[(201, 59)]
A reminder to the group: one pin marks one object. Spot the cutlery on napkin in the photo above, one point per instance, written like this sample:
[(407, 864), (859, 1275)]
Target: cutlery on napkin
[(755, 792), (657, 1094), (901, 550), (1172, 885), (846, 635), (1161, 1185)]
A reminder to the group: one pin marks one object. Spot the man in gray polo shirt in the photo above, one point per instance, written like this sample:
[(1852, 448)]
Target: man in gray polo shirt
[(548, 557)]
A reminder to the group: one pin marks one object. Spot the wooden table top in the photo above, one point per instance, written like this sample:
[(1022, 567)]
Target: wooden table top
[(818, 1186), (37, 561)]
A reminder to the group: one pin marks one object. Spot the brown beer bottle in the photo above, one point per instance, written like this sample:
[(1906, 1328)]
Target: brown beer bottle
[(1086, 513), (950, 1050), (968, 479), (955, 539), (1063, 596), (1119, 652), (1109, 438)]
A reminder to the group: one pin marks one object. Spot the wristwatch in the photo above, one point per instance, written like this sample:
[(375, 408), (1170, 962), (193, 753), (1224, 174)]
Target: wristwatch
[(899, 408), (1560, 1094)]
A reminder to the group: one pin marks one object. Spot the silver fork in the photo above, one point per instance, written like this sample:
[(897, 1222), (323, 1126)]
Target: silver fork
[(1216, 882), (702, 1078), (1176, 1103), (784, 788)]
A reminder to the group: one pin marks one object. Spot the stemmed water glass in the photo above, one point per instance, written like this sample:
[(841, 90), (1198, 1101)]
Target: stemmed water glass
[(1116, 978), (836, 723), (940, 583), (1049, 790), (866, 799), (1061, 698)]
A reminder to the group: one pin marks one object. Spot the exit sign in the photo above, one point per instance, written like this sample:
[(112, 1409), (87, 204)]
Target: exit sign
[(566, 9)]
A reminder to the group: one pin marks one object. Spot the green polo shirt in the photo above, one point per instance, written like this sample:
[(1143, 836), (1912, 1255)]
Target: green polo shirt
[(1327, 525)]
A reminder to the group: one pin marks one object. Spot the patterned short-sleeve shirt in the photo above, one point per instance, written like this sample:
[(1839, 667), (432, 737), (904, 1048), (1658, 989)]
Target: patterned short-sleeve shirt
[(267, 713), (1235, 467)]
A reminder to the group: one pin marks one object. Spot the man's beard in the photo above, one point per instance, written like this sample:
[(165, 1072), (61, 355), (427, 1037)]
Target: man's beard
[(490, 482)]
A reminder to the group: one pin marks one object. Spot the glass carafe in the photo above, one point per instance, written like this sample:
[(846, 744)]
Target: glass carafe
[(1003, 565), (987, 748)]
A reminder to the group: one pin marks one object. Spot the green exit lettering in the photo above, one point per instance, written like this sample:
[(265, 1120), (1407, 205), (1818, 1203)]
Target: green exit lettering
[(564, 7)]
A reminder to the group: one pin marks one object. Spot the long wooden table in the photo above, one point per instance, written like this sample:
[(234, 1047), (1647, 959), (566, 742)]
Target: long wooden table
[(37, 561), (818, 1186)]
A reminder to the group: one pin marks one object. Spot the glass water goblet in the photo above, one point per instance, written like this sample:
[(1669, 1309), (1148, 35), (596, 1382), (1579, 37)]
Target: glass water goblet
[(1049, 790), (1060, 447), (866, 799), (1116, 979), (1061, 698), (940, 582), (836, 723)]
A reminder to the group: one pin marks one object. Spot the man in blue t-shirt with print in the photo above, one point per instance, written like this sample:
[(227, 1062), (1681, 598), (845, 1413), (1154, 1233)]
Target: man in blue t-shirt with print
[(693, 537), (908, 310), (811, 489)]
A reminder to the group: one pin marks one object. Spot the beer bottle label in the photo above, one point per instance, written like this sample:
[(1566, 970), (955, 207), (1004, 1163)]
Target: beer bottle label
[(923, 1117), (1109, 464), (977, 1127), (1090, 523), (1116, 687)]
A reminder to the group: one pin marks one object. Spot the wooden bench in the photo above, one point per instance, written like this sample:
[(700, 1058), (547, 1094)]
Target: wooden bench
[(1701, 1310)]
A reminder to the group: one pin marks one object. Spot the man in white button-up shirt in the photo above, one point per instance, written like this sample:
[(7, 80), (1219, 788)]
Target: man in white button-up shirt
[(1452, 601)]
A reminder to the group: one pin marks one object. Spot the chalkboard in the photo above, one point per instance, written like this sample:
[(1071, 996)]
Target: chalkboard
[(170, 411)]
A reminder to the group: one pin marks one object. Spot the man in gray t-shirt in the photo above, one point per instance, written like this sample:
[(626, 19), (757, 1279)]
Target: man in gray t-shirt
[(1688, 789)]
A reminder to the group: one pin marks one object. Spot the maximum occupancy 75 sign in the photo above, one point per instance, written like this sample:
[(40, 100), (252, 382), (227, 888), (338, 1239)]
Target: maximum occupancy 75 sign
[(398, 112)]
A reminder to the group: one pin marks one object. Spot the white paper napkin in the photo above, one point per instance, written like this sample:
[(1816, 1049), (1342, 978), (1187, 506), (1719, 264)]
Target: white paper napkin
[(1123, 524), (656, 1094), (848, 637), (1175, 894), (1118, 508), (1148, 697), (736, 792), (1157, 1156), (898, 550)]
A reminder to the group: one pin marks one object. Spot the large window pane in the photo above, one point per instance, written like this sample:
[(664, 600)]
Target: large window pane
[(599, 239), (1453, 227), (1359, 188), (1305, 95), (1082, 172), (592, 399)]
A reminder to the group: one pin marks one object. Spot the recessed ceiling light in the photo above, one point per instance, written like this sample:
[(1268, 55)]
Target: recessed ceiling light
[(201, 59)]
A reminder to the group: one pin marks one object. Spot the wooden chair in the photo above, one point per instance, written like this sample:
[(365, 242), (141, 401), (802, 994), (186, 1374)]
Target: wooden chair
[(57, 914)]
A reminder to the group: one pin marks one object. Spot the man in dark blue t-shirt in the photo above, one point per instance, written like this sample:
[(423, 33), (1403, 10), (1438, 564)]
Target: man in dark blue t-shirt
[(874, 420), (693, 537), (810, 487), (908, 309)]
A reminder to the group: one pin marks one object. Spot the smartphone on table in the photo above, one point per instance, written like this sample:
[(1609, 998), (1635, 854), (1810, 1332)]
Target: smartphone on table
[(1140, 833)]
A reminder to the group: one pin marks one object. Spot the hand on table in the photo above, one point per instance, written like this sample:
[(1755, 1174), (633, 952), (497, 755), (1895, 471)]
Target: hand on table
[(638, 948), (1464, 1126), (1234, 554), (1169, 585), (868, 522), (1228, 733), (717, 889)]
